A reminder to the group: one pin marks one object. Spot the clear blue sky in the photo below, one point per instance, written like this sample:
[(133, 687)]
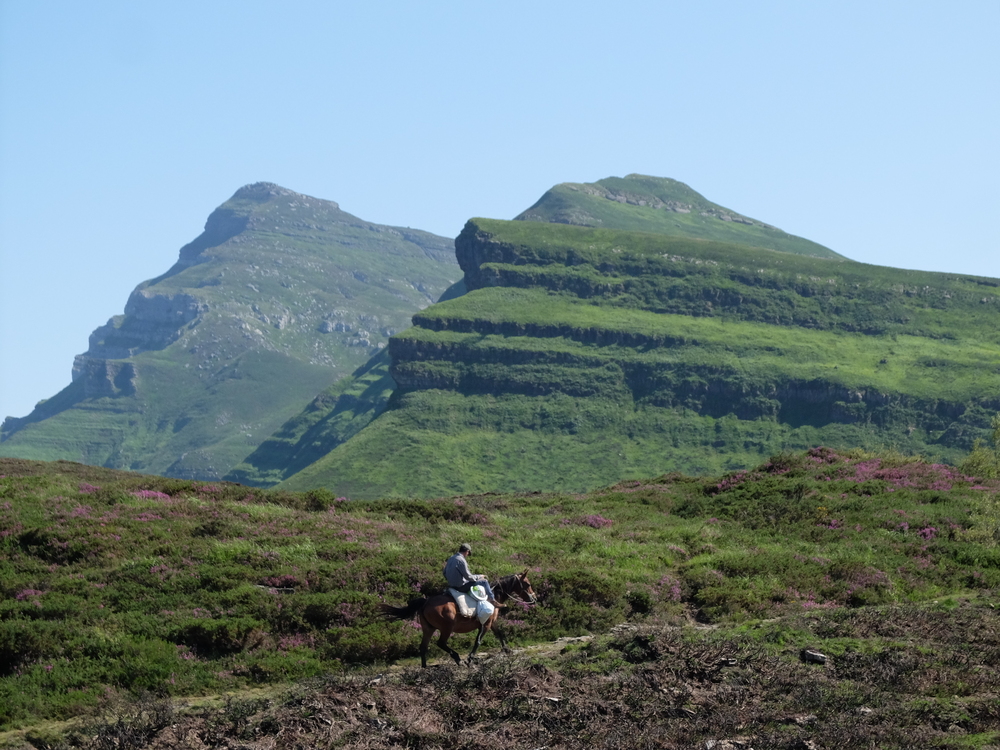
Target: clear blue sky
[(870, 127)]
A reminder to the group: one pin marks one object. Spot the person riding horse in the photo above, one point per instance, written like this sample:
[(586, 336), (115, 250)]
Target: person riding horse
[(458, 575), (440, 613)]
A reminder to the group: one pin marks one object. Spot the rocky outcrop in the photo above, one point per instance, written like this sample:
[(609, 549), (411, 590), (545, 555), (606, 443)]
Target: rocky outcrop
[(474, 247), (151, 322), (102, 378)]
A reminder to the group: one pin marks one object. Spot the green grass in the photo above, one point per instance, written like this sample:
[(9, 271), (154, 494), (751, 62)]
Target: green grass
[(330, 419), (635, 203), (138, 583)]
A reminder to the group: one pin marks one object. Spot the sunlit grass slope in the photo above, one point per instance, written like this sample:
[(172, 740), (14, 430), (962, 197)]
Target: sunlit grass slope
[(663, 206), (334, 416), (585, 356)]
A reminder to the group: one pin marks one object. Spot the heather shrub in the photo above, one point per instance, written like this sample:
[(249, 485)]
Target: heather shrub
[(640, 602), (577, 602), (133, 583), (129, 723), (320, 499), (216, 637), (369, 642), (23, 642)]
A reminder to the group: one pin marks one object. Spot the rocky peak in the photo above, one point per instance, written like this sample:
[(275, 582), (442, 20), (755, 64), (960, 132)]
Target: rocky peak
[(264, 192), (260, 192)]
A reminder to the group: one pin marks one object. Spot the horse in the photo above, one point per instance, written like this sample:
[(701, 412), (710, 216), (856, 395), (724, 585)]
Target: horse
[(441, 613)]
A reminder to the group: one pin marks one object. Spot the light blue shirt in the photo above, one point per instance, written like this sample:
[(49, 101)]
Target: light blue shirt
[(456, 571)]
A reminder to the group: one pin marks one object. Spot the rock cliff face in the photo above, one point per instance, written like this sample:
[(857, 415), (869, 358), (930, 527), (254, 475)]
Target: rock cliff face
[(151, 322), (102, 378), (279, 297)]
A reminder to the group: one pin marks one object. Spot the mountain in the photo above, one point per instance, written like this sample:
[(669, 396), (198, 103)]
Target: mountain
[(641, 203), (582, 356), (636, 202), (281, 296)]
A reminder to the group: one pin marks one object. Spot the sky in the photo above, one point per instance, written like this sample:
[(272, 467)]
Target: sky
[(869, 127)]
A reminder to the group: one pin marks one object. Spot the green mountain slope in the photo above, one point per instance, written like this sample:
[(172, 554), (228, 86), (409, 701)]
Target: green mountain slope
[(636, 202), (583, 356), (280, 297), (334, 416), (330, 419), (654, 204)]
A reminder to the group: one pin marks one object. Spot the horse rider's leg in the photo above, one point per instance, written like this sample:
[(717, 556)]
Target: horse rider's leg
[(425, 642)]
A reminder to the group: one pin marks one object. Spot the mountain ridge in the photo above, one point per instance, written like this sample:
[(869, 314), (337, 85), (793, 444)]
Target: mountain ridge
[(319, 428), (280, 295)]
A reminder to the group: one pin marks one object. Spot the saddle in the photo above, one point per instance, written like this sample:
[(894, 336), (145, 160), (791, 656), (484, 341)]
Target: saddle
[(473, 604)]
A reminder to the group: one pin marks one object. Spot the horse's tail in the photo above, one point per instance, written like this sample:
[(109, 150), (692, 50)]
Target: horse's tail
[(402, 613)]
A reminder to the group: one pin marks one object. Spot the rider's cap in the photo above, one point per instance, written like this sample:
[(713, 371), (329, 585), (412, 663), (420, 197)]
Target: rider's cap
[(465, 548)]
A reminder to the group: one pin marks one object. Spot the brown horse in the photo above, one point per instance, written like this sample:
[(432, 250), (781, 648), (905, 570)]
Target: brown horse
[(441, 613)]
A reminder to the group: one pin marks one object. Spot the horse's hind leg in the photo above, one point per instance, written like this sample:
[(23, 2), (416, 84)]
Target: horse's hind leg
[(443, 643), (425, 642)]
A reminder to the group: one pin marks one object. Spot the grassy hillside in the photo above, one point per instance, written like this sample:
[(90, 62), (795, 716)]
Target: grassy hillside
[(330, 419), (282, 296), (333, 417), (114, 583), (585, 356), (662, 206)]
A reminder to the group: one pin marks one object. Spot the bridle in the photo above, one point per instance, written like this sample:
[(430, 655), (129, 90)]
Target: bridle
[(506, 586)]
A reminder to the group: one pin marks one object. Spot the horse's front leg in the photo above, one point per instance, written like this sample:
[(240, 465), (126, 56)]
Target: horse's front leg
[(475, 646), (502, 638)]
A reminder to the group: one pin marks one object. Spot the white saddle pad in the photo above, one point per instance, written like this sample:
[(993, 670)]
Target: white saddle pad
[(470, 606)]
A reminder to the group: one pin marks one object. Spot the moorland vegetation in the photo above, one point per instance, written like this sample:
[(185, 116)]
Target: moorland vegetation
[(702, 593)]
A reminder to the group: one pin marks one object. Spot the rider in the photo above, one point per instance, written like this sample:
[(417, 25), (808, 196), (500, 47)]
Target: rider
[(456, 570)]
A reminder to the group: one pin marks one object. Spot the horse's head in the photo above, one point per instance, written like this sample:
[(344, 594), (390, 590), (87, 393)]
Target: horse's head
[(522, 588)]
